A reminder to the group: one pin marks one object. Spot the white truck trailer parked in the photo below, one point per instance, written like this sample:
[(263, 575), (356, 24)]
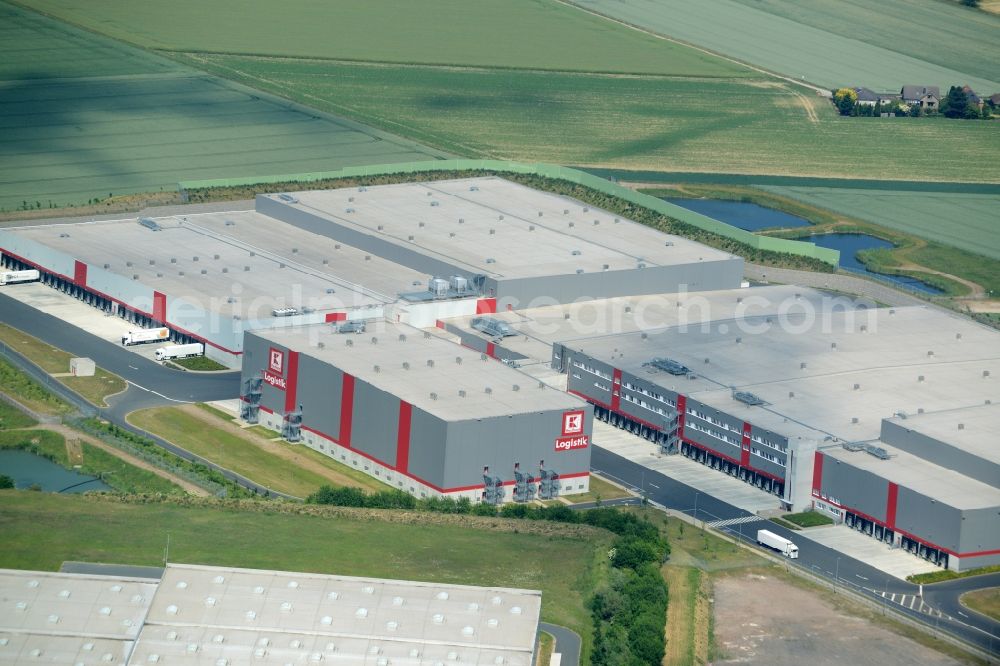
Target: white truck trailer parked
[(11, 277), (145, 335), (778, 543), (179, 351)]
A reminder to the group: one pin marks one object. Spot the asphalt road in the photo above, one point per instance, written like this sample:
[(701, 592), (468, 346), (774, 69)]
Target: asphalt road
[(146, 375), (567, 643), (833, 565)]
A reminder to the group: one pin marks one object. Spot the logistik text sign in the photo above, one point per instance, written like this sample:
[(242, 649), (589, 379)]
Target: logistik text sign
[(275, 369), (570, 443)]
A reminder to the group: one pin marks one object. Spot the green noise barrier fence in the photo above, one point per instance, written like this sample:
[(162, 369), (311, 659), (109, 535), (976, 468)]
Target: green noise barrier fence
[(703, 222)]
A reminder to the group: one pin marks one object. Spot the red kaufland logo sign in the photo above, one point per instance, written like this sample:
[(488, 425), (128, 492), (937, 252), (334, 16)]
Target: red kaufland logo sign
[(572, 423), (276, 361), (275, 369), (572, 432)]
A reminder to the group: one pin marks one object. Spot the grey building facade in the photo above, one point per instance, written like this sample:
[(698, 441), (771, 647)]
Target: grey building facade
[(423, 439)]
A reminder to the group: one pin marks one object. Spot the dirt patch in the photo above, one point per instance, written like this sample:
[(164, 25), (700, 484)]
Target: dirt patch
[(74, 452), (761, 619)]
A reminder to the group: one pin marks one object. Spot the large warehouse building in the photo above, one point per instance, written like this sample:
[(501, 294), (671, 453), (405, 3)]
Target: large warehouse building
[(412, 253), (215, 616), (418, 412), (773, 399)]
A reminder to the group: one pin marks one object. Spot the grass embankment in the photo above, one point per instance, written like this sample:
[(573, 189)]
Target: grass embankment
[(947, 574), (55, 361), (295, 470), (12, 418), (986, 602), (910, 254), (201, 363), (88, 459), (28, 392), (564, 562), (808, 519)]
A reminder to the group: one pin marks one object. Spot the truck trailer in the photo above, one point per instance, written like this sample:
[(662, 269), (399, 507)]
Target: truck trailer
[(778, 543), (145, 335), (12, 277), (179, 351)]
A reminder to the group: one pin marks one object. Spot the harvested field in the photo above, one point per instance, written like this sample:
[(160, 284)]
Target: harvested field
[(882, 45), (626, 122)]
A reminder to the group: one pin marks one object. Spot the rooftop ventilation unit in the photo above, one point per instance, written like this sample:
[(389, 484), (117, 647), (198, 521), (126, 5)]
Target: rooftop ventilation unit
[(459, 284), (284, 312), (853, 446), (748, 398), (877, 451), (668, 365), (438, 286), (150, 224), (288, 198)]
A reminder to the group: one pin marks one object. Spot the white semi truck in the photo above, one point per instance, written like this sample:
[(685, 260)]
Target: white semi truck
[(12, 277), (179, 351), (778, 543), (144, 335)]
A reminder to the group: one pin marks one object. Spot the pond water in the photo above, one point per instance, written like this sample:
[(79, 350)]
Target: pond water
[(748, 216), (27, 469), (849, 246)]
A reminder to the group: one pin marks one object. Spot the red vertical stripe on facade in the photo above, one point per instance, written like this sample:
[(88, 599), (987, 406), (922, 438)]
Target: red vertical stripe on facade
[(486, 306), (335, 316), (616, 389), (491, 350), (79, 274), (403, 437), (439, 323), (817, 473), (890, 505), (745, 446), (346, 409), (681, 413), (293, 381), (160, 307)]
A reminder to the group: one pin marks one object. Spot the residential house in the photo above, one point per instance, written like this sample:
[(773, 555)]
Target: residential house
[(927, 97), (972, 96), (995, 100), (866, 97)]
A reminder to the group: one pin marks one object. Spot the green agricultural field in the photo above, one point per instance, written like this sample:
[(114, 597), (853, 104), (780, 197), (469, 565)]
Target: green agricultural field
[(523, 34), (83, 117), (882, 45), (627, 122), (965, 221), (41, 531)]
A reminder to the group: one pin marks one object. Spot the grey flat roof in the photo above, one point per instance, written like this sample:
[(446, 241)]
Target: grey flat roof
[(537, 236), (275, 617), (977, 435), (357, 355), (885, 361), (69, 618), (945, 485), (240, 239)]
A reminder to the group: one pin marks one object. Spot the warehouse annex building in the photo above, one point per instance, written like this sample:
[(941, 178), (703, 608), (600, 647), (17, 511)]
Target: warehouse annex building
[(359, 253), (868, 415), (221, 616), (418, 412)]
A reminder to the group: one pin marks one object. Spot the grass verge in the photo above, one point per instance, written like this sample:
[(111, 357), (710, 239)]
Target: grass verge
[(784, 523), (599, 490), (202, 363), (276, 465), (546, 645), (947, 574), (807, 519), (564, 562), (28, 392), (986, 602)]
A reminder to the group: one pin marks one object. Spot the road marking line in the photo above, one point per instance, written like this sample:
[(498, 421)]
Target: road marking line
[(860, 576), (143, 388)]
